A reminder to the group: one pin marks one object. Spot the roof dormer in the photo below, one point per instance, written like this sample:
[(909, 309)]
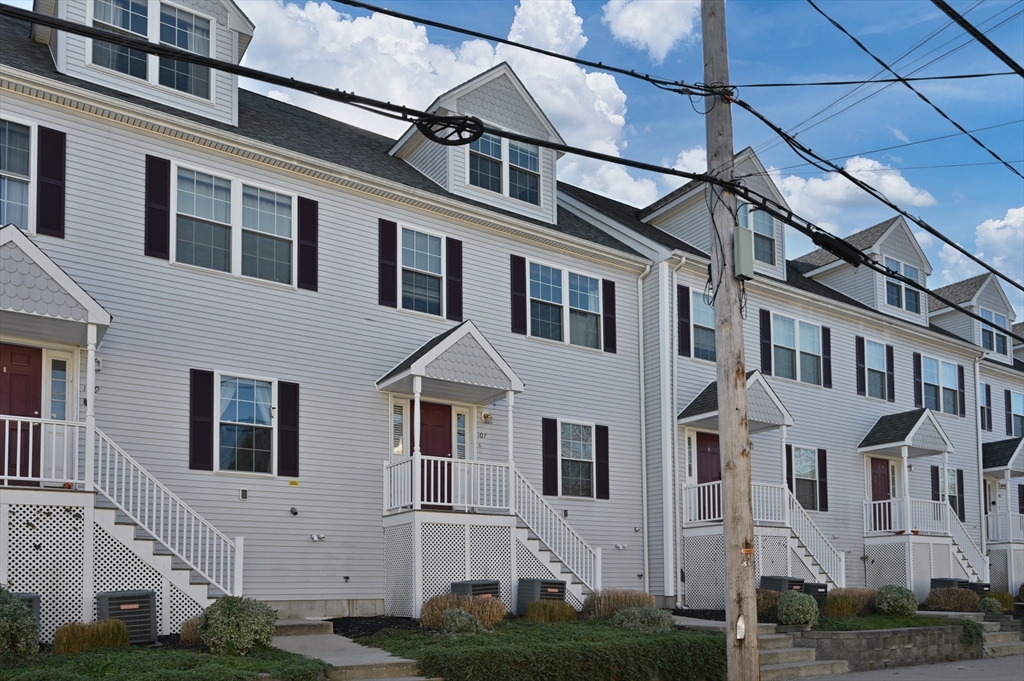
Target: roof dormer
[(514, 176), (984, 296), (211, 28)]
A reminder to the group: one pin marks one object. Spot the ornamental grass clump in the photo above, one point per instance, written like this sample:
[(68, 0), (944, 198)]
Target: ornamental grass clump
[(19, 632), (77, 637), (1005, 599), (645, 620), (550, 611), (235, 625), (797, 608), (767, 605), (840, 605), (189, 636), (896, 601), (952, 600), (456, 621), (865, 599), (602, 605), (990, 606), (488, 610)]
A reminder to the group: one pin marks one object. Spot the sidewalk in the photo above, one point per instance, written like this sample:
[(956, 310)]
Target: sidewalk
[(997, 669)]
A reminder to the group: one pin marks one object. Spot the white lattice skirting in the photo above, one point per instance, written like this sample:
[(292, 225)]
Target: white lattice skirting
[(704, 565), (62, 551)]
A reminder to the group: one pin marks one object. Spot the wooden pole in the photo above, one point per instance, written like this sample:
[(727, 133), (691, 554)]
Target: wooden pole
[(734, 437)]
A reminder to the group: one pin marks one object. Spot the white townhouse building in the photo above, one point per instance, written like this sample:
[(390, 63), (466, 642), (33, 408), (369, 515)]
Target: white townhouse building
[(248, 349)]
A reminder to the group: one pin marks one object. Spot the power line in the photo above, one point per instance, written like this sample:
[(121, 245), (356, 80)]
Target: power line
[(923, 98), (945, 165), (979, 36), (875, 80)]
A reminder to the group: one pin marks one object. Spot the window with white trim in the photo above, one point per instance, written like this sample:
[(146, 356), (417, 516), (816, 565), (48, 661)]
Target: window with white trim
[(952, 490), (245, 431), (422, 272), (576, 459), (505, 167), (211, 226), (797, 349), (398, 428), (15, 173), (940, 385), (1017, 413), (191, 32), (703, 316), (805, 477), (548, 306), (993, 334), (983, 405), (763, 226), (875, 364), (460, 433), (130, 17), (899, 294)]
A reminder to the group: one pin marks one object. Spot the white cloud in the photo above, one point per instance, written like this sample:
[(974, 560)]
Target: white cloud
[(955, 265), (924, 239), (898, 134), (552, 26), (652, 25), (1000, 243), (693, 160)]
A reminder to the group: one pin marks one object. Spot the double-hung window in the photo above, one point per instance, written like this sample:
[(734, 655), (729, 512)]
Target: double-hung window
[(548, 310), (899, 294), (266, 235), (130, 17), (763, 226), (940, 385), (1017, 414), (187, 31), (797, 349), (993, 334), (524, 172), (875, 365), (506, 167), (576, 453), (15, 173), (952, 490), (805, 477), (485, 163), (246, 425), (203, 221), (422, 271), (703, 328)]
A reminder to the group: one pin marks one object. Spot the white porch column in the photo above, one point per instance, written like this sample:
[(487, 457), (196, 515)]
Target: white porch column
[(90, 407), (417, 458), (944, 491), (906, 489), (510, 398), (785, 483), (239, 566)]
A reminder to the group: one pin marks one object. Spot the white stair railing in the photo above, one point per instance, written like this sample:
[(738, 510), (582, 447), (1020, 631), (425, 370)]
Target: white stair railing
[(564, 542), (971, 552), (831, 560), (158, 511)]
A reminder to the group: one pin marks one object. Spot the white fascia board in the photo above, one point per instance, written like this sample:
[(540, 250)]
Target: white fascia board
[(757, 377), (631, 238), (675, 203), (901, 223), (993, 281)]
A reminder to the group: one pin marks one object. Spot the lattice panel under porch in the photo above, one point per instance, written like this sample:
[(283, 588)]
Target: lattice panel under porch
[(444, 557), (1018, 570), (770, 555), (998, 574), (886, 565), (528, 567), (940, 560), (398, 571), (922, 563), (183, 607), (116, 568), (705, 572), (44, 557), (489, 549)]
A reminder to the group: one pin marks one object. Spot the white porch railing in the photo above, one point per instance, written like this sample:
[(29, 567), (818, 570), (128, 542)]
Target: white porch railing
[(831, 560), (884, 516), (397, 485), (928, 516), (971, 550), (703, 503), (1002, 527), (552, 529), (41, 451), (447, 482)]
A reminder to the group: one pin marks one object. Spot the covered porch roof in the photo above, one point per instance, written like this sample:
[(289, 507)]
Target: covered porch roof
[(917, 430), (1004, 455), (765, 410), (459, 364), (39, 300)]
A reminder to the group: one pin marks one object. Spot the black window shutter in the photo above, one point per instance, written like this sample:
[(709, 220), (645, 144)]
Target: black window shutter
[(822, 480), (789, 467), (309, 240), (387, 263), (826, 357), (683, 312), (200, 411), (918, 388), (936, 494), (766, 343), (1020, 498), (961, 389), (50, 190), (890, 373), (601, 445), (549, 455), (861, 366), (288, 429), (961, 511), (158, 208), (519, 296), (988, 409), (453, 279), (1008, 398), (608, 309)]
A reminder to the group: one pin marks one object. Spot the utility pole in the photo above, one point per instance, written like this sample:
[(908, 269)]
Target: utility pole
[(733, 434)]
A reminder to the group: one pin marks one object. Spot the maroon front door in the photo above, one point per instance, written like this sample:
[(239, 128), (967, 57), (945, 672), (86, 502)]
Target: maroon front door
[(709, 469), (881, 514), (21, 384), (436, 429)]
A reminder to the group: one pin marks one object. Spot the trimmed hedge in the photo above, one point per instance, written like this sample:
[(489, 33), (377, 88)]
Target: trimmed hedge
[(235, 625), (19, 633), (647, 620), (952, 600), (550, 611), (990, 606), (797, 608), (897, 601)]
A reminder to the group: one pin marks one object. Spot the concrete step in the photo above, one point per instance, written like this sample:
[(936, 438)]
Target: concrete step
[(1002, 637), (382, 670), (801, 670), (1004, 649), (301, 627), (785, 655), (774, 641)]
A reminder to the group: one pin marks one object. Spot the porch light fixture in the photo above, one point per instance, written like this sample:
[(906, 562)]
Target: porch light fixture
[(1002, 484), (486, 416)]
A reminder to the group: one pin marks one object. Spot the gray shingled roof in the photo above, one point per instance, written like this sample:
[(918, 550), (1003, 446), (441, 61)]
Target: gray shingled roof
[(998, 454), (958, 292), (892, 428), (706, 402), (290, 127), (862, 240), (423, 349)]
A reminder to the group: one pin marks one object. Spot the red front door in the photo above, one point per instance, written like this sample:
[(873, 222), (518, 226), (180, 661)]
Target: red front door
[(881, 486), (21, 384), (436, 429), (709, 469)]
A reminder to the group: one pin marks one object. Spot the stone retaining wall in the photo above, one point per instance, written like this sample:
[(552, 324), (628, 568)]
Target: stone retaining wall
[(883, 648)]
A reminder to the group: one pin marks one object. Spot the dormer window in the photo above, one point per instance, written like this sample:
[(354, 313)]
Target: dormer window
[(505, 167), (123, 16), (485, 163), (764, 232), (523, 172), (993, 336), (187, 31), (897, 293)]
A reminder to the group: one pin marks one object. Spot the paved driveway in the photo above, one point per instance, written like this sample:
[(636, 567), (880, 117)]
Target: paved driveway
[(998, 669)]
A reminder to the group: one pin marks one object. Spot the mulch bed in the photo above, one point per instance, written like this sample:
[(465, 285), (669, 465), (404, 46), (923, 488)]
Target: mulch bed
[(716, 615), (365, 627), (174, 641)]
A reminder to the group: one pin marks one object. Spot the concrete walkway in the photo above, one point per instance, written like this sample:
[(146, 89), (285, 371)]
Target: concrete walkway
[(997, 669), (349, 659)]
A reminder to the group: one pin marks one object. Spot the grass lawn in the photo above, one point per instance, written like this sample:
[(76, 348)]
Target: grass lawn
[(880, 622), (165, 664)]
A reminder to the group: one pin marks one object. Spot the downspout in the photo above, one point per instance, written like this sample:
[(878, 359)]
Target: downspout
[(665, 406), (981, 462), (643, 421), (675, 425)]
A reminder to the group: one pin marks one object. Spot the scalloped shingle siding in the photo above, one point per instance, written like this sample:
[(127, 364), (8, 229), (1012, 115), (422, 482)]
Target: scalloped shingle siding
[(24, 287)]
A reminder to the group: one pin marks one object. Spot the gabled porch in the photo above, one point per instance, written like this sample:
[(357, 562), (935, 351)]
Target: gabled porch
[(1003, 470)]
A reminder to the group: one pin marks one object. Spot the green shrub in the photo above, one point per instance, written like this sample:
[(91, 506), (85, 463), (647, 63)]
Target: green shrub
[(77, 637), (602, 605), (1005, 599), (457, 621), (550, 611), (865, 599), (19, 633), (646, 620), (953, 600), (897, 601), (234, 625), (990, 606), (767, 605), (797, 608)]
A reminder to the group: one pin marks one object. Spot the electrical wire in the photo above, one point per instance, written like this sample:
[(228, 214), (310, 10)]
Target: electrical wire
[(872, 81), (979, 36), (946, 165)]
